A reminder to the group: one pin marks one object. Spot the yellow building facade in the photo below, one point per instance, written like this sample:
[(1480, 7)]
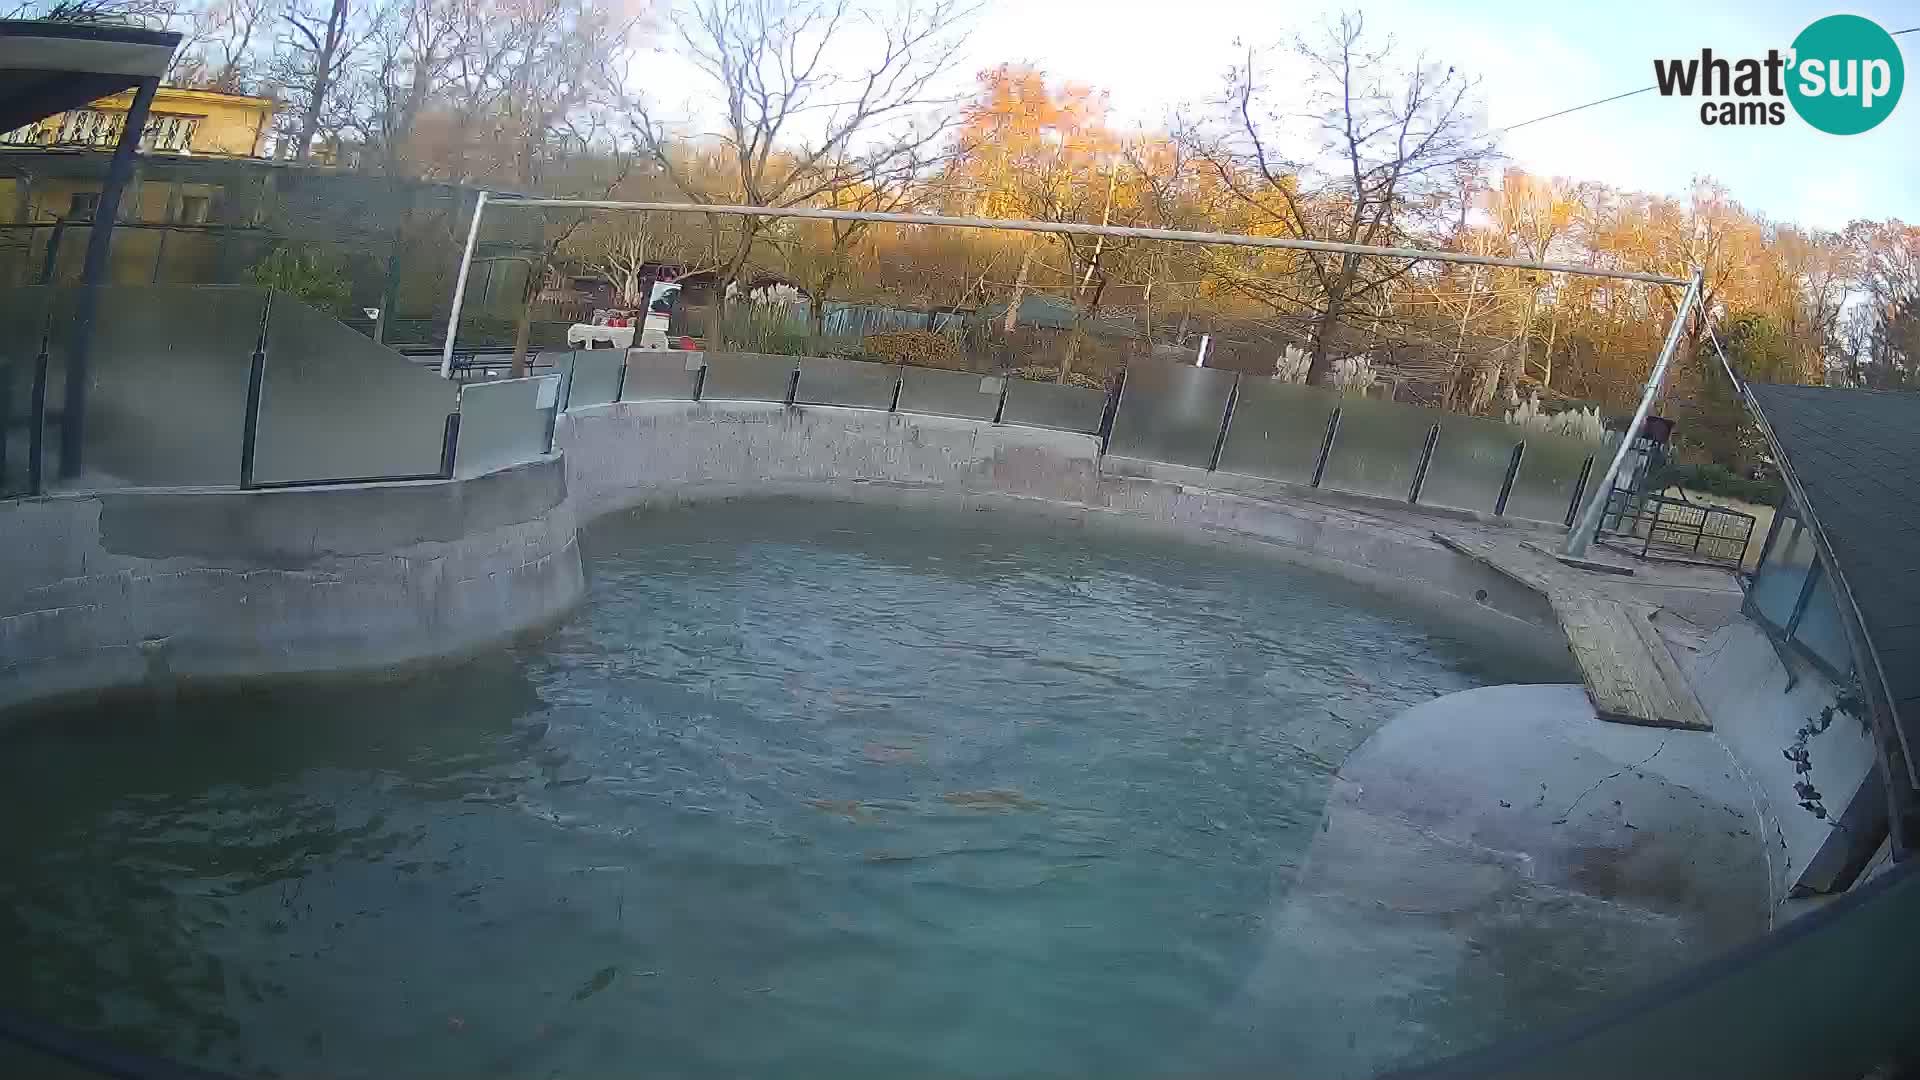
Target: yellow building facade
[(181, 122)]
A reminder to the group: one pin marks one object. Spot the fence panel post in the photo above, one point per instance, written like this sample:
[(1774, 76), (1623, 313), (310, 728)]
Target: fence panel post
[(1226, 421), (1426, 459), (449, 445), (1579, 490), (1506, 484), (1326, 446)]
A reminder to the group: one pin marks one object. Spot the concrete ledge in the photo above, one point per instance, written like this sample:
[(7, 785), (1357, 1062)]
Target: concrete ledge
[(1507, 842), (158, 588)]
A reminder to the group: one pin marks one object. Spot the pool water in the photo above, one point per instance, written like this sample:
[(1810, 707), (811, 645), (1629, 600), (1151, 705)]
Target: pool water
[(804, 789)]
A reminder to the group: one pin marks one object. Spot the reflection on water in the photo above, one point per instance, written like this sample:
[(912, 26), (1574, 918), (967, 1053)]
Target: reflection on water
[(805, 789)]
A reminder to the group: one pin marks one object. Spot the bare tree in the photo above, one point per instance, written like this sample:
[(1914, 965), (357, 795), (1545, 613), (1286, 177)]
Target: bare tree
[(220, 44), (147, 13), (317, 43), (1389, 143), (797, 109), (821, 255)]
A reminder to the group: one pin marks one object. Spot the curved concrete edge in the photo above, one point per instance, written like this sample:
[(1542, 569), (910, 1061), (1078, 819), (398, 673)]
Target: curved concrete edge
[(647, 454), (156, 587), (161, 587), (1503, 850)]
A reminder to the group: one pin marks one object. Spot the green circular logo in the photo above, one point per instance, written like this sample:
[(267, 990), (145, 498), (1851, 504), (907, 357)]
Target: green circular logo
[(1846, 74)]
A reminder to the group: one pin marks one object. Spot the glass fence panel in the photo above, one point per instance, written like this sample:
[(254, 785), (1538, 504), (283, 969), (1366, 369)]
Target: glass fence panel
[(504, 422), (1783, 570), (747, 377), (167, 369), (1543, 488), (23, 326), (593, 376), (70, 253), (950, 393), (826, 380), (334, 405), (1378, 447), (654, 375), (1050, 405), (135, 256), (1820, 630), (1469, 462), (1171, 413), (1277, 430)]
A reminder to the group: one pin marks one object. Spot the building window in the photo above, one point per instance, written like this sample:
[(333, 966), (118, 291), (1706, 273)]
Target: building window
[(82, 205), (168, 133), (192, 210)]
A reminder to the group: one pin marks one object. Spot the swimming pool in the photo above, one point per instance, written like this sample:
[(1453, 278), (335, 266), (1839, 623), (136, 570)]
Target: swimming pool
[(806, 788)]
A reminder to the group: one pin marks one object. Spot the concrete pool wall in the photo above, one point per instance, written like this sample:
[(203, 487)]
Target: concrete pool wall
[(151, 587), (125, 588), (640, 454)]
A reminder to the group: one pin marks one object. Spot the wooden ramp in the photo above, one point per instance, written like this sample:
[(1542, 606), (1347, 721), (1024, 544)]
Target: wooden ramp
[(1629, 671)]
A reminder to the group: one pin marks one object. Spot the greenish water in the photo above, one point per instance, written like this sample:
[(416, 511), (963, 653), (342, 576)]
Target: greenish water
[(805, 789)]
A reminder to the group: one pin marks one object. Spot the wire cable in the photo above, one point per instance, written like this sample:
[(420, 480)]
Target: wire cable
[(1575, 109)]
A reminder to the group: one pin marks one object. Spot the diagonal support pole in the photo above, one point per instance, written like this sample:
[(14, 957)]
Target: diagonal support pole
[(1584, 530)]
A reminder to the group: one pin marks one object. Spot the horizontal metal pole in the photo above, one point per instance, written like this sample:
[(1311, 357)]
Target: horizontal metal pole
[(1070, 228)]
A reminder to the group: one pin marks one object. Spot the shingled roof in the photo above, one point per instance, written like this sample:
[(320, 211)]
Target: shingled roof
[(1856, 457)]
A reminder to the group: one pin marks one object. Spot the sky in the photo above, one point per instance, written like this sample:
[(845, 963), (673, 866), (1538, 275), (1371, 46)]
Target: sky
[(1532, 58)]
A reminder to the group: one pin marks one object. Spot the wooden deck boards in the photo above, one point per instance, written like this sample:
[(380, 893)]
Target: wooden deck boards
[(1629, 672)]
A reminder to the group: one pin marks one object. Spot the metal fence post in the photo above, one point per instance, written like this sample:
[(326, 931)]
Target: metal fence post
[(793, 385), (1579, 490), (1226, 421), (449, 445), (1326, 446), (700, 377), (1506, 483), (256, 381), (899, 381), (1000, 407), (1426, 459), (1112, 409)]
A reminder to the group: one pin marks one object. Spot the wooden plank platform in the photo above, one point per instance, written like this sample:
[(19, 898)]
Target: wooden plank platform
[(1629, 672)]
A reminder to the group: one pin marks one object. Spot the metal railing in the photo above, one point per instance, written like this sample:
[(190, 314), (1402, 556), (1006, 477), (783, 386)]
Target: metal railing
[(1661, 526)]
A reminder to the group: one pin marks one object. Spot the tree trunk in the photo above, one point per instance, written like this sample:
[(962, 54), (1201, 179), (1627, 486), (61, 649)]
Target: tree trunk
[(1077, 339), (322, 81), (1320, 367), (523, 330), (817, 304), (1019, 290)]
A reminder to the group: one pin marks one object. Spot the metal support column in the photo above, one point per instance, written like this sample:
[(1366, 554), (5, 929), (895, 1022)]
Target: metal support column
[(73, 420), (460, 285), (1581, 538)]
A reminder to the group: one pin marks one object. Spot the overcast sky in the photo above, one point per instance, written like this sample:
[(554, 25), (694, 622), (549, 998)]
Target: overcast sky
[(1533, 58)]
